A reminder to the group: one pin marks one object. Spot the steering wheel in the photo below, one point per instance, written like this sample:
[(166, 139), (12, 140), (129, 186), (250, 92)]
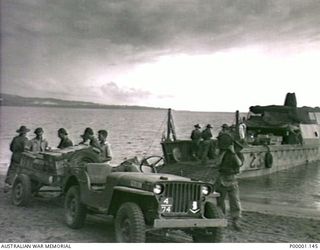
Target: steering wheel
[(153, 162)]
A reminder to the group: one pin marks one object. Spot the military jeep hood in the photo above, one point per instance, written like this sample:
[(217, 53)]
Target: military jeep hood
[(136, 179)]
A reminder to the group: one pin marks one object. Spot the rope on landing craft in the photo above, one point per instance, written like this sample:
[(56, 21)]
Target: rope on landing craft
[(156, 135)]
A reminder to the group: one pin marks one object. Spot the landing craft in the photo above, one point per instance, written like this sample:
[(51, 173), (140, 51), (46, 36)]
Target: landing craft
[(277, 137)]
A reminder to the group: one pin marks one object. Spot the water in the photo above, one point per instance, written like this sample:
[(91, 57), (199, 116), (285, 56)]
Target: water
[(295, 187), (131, 132), (138, 133)]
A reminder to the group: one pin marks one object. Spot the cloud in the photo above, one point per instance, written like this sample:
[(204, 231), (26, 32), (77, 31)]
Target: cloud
[(158, 24), (59, 47), (121, 95)]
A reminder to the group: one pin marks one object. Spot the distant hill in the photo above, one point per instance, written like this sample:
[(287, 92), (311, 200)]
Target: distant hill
[(15, 100)]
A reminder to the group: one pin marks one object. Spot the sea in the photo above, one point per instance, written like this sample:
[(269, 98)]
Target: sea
[(138, 132)]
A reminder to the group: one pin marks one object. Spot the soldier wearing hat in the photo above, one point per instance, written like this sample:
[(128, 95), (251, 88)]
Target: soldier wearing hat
[(17, 146), (224, 129), (38, 143), (64, 140), (224, 138), (206, 144), (196, 139), (89, 139), (227, 184), (206, 133)]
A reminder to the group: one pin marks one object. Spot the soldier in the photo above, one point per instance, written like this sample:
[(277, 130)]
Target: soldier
[(233, 131), (227, 184), (224, 129), (38, 144), (17, 146), (243, 130), (225, 139), (89, 139), (64, 140), (106, 154), (206, 144), (196, 139)]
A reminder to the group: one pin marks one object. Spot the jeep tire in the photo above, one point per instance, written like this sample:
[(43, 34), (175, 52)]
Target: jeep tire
[(129, 224), (75, 212), (21, 190), (210, 235)]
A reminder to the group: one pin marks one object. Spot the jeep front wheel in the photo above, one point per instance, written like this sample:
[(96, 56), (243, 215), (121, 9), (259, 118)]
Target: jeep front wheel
[(21, 191), (214, 234), (129, 224), (75, 211)]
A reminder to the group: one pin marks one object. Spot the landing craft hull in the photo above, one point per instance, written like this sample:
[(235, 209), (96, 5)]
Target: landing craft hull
[(274, 138), (283, 157), (178, 161)]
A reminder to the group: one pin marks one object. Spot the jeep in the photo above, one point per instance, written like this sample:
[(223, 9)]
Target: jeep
[(140, 200)]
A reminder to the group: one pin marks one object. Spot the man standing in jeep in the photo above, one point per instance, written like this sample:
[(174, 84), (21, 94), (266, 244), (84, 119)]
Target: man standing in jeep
[(227, 184), (105, 148)]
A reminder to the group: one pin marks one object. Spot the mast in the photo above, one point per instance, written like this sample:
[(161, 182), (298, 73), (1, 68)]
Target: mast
[(170, 127), (237, 125)]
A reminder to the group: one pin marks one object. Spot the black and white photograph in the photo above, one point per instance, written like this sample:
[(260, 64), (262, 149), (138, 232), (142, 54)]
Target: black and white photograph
[(163, 121)]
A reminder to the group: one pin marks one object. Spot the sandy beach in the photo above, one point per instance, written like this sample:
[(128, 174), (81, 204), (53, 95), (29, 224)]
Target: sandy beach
[(43, 221)]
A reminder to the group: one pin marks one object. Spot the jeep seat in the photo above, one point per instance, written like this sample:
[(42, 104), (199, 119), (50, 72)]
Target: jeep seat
[(98, 172)]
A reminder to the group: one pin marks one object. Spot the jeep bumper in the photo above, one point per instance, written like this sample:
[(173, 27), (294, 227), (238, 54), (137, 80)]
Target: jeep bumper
[(189, 223)]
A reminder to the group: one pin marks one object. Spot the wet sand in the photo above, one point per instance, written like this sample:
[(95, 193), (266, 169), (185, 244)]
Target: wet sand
[(43, 221)]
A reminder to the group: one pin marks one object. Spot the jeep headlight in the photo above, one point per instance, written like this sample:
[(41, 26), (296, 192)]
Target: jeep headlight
[(50, 179), (158, 189), (205, 190)]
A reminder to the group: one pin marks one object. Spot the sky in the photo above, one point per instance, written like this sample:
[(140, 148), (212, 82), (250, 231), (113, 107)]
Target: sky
[(200, 55)]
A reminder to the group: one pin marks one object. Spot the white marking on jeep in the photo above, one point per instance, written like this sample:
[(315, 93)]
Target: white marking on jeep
[(194, 208)]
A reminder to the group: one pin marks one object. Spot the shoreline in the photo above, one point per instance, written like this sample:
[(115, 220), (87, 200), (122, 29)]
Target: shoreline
[(262, 208), (286, 211), (43, 221)]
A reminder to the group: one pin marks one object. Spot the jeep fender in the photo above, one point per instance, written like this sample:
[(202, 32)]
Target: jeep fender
[(146, 200)]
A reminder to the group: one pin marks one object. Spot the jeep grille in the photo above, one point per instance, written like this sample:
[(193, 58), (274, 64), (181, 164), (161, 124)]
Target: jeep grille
[(182, 195)]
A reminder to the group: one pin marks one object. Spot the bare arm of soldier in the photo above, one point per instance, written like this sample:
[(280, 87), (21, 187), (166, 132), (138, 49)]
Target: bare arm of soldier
[(108, 152), (237, 158)]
